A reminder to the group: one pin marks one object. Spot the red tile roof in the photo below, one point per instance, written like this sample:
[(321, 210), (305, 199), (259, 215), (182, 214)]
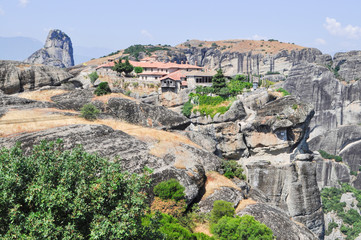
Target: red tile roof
[(177, 75)]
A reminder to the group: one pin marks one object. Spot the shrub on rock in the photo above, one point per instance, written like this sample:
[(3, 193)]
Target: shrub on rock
[(89, 112), (102, 89), (170, 189)]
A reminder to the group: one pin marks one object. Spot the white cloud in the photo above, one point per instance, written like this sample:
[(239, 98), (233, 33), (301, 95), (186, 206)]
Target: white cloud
[(146, 33), (23, 3), (335, 28), (257, 37), (2, 12), (320, 41)]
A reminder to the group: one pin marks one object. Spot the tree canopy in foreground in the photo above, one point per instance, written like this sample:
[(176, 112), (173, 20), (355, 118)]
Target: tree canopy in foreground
[(58, 194)]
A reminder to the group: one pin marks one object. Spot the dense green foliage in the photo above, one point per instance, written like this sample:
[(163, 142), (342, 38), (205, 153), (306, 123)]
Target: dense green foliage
[(236, 86), (204, 90), (218, 82), (326, 155), (93, 77), (89, 112), (220, 209), (53, 193), (208, 105), (331, 202), (135, 50), (123, 67), (283, 91), (241, 228), (232, 169), (171, 228), (187, 109), (138, 70), (170, 189), (102, 89), (242, 78), (112, 53)]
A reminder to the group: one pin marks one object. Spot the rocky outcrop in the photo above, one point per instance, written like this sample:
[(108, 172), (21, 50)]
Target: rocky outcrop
[(57, 51), (278, 221), (348, 65), (133, 154), (146, 115), (291, 186), (18, 76), (243, 62)]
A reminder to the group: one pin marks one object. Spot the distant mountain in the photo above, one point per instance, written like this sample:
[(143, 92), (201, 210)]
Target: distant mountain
[(18, 48)]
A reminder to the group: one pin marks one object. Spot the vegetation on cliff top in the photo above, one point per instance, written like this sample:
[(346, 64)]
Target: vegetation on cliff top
[(331, 200)]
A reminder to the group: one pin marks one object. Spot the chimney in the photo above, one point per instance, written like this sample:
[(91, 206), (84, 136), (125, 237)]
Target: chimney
[(187, 62), (195, 63), (182, 62)]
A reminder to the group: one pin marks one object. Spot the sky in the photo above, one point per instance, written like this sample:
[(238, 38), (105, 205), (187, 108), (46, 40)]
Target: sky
[(330, 26)]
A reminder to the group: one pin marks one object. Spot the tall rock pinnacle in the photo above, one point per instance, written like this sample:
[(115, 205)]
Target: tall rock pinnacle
[(57, 51)]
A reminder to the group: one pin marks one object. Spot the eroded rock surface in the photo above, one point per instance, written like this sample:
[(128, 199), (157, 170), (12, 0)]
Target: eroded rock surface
[(57, 51), (18, 76)]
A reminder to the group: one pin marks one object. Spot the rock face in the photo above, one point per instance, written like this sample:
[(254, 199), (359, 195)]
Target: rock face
[(134, 154), (281, 225), (247, 62), (348, 65), (294, 189), (57, 51), (18, 76)]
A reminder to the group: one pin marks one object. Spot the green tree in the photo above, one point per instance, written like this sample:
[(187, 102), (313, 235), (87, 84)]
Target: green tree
[(52, 193), (138, 70), (93, 77), (89, 112), (241, 228), (127, 67), (221, 208), (218, 82)]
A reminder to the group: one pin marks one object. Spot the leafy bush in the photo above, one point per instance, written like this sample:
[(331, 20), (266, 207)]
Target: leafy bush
[(283, 91), (233, 169), (52, 193), (138, 70), (93, 77), (102, 89), (187, 109), (128, 93), (218, 82), (272, 73), (170, 189), (220, 209), (204, 90), (236, 86), (241, 228), (89, 112), (326, 155), (353, 173), (295, 106)]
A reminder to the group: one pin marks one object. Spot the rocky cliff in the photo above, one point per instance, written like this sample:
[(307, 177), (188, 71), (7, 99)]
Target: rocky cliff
[(57, 51), (18, 76)]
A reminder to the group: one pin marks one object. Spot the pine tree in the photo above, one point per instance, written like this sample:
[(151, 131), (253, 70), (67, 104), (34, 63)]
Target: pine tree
[(218, 82)]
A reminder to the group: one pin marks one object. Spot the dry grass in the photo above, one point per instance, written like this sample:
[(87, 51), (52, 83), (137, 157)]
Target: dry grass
[(244, 203), (105, 98), (203, 228), (263, 47), (41, 119), (43, 95), (215, 181)]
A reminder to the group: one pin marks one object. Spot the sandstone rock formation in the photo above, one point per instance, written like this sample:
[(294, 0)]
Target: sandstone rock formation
[(57, 51), (18, 76)]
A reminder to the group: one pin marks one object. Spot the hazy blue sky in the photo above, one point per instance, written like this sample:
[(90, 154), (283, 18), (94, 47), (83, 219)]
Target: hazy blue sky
[(328, 25)]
